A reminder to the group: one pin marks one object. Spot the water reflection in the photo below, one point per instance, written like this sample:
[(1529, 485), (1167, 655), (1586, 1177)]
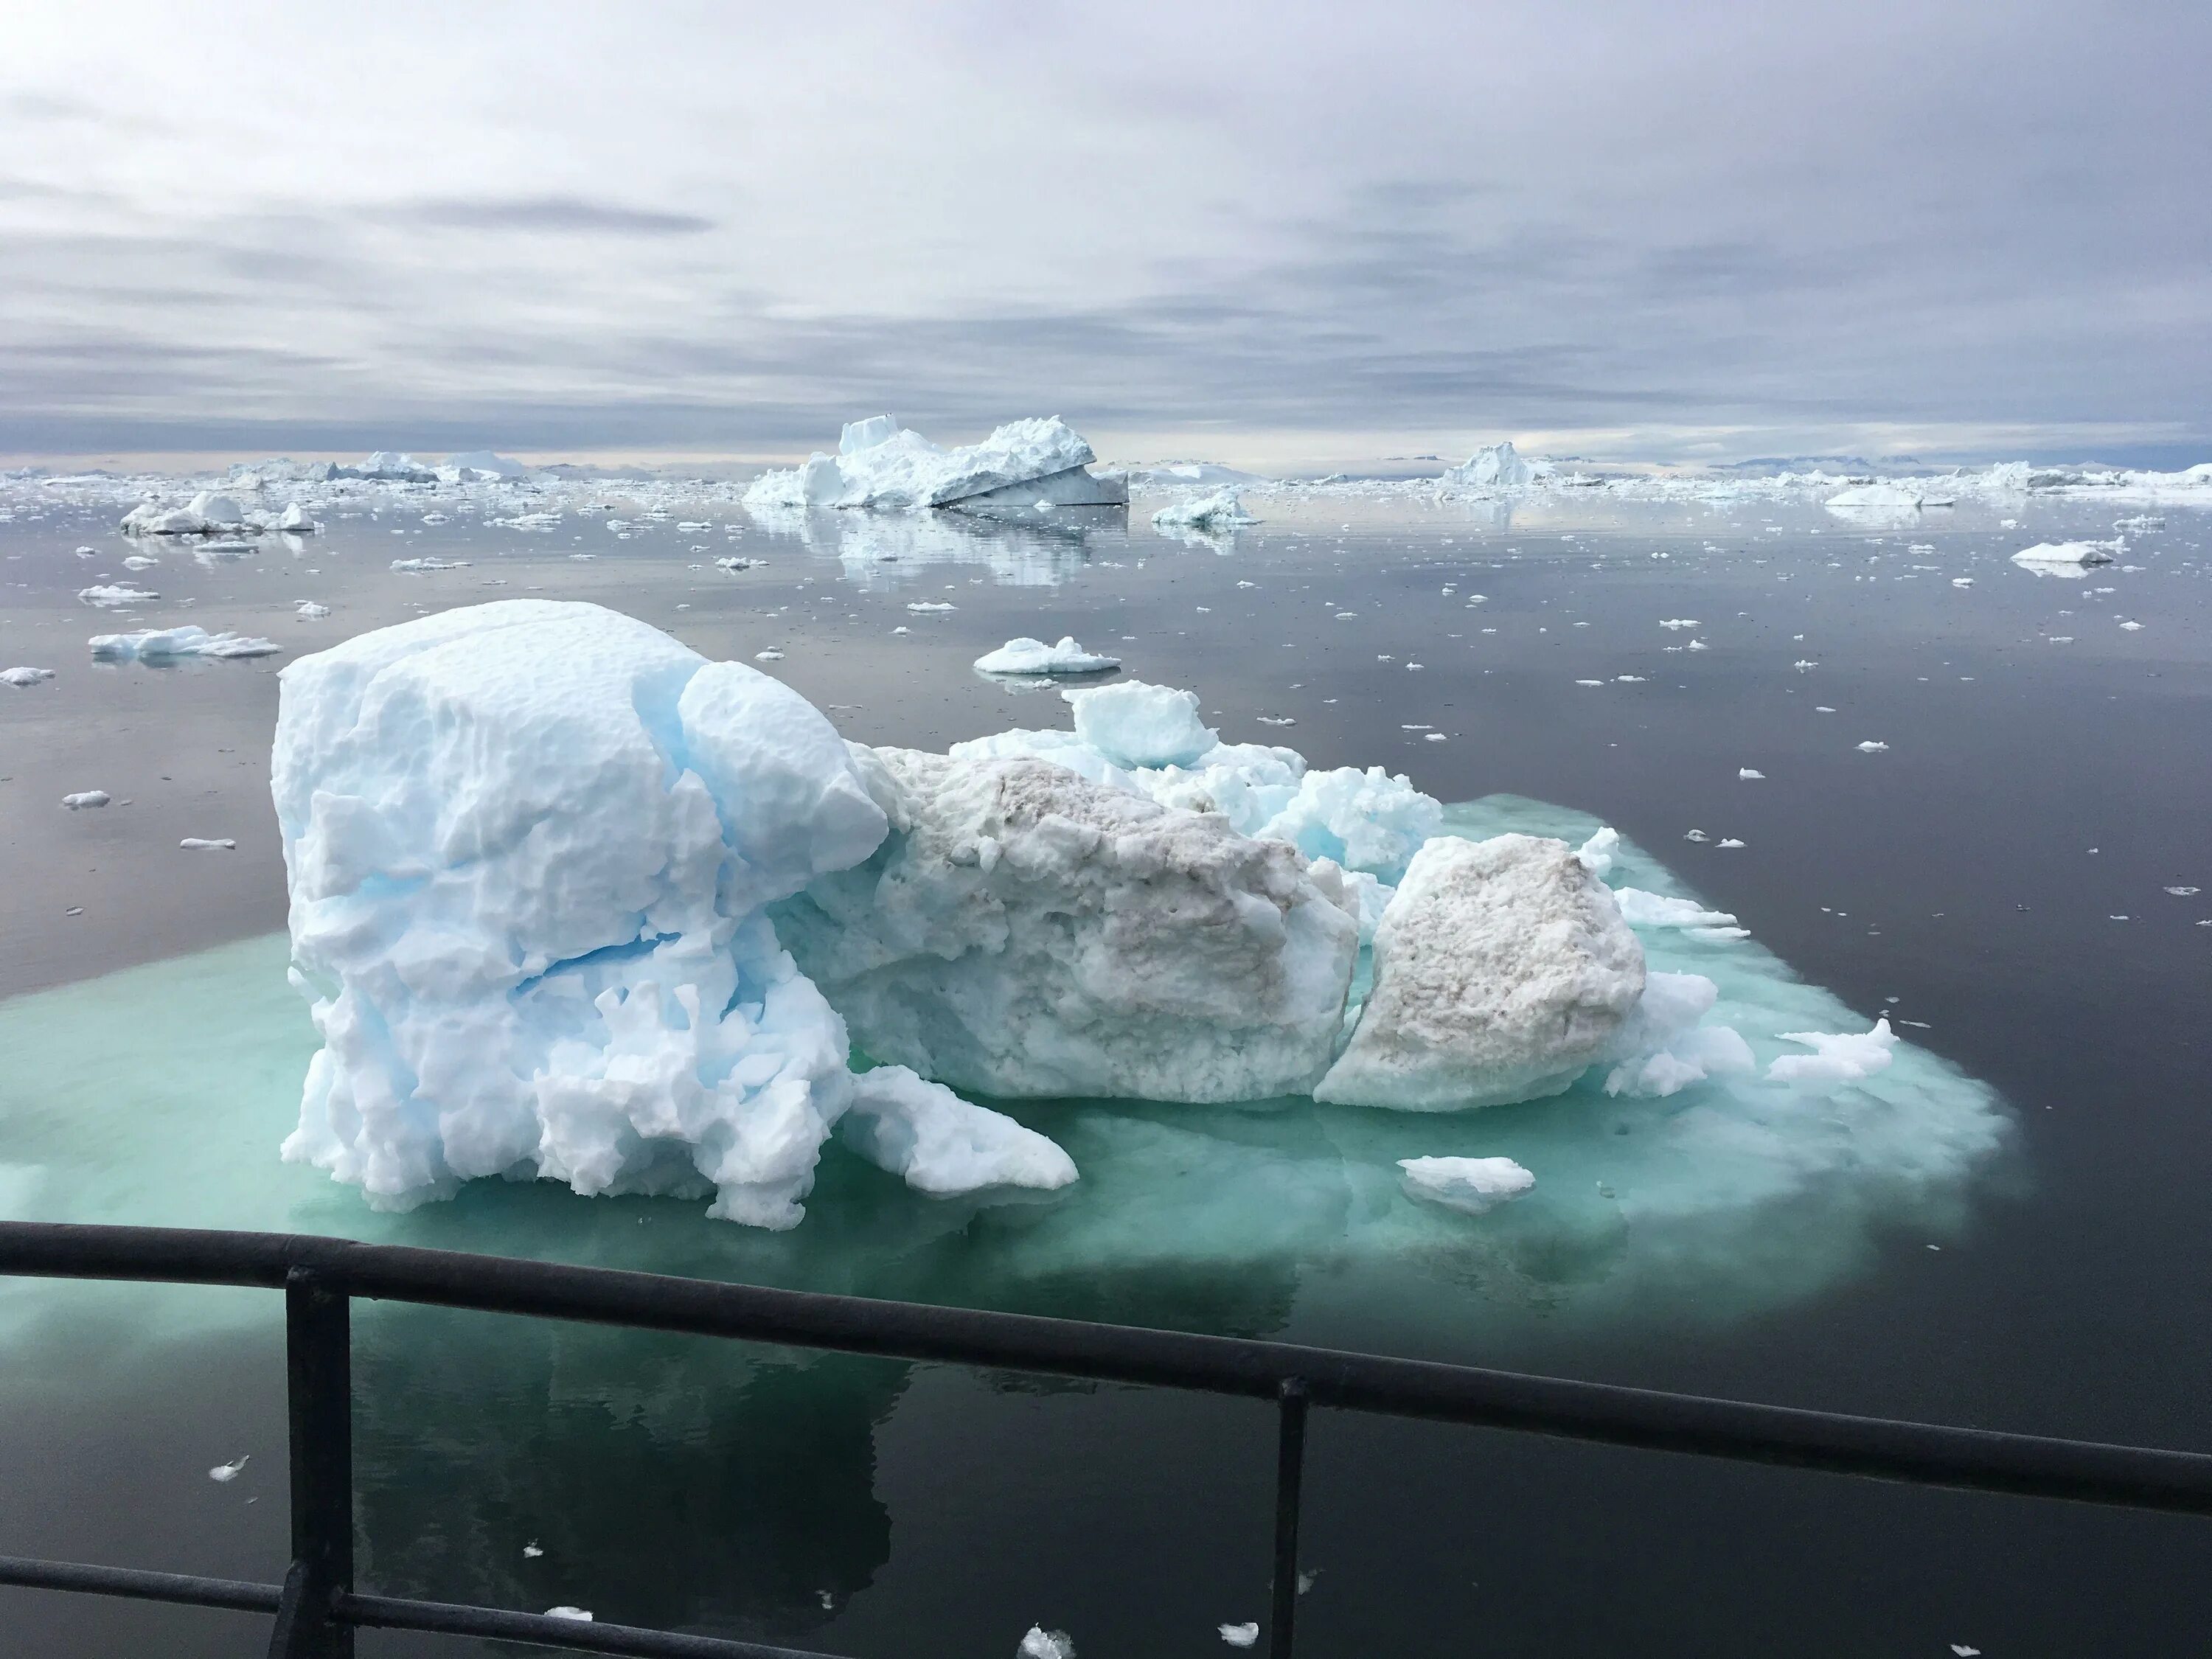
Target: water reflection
[(879, 551)]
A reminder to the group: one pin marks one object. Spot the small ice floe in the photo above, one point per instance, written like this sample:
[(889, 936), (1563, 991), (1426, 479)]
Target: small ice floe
[(1960, 1648), (532, 1550), (110, 596), (901, 628), (85, 798), (223, 552), (206, 514), (1596, 854), (1804, 663), (1870, 747), (737, 564), (139, 562), (1962, 581), (295, 519), (162, 644), (1628, 679), (1470, 1185), (1751, 775), (20, 677), (581, 1615), (201, 844), (1679, 622), (1589, 682), (2183, 892), (926, 607), (1698, 645), (1276, 720), (309, 610), (539, 521), (1042, 1643), (1641, 909), (1240, 1636), (224, 1473), (2132, 627), (2064, 558), (1028, 656), (1695, 835), (1837, 1057), (1219, 511), (429, 564), (769, 655), (1435, 737)]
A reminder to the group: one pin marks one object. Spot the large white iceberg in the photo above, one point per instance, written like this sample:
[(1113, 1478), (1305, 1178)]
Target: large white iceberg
[(2065, 556), (1494, 466), (207, 513), (881, 464), (529, 847), (1028, 656), (1025, 932), (1502, 971)]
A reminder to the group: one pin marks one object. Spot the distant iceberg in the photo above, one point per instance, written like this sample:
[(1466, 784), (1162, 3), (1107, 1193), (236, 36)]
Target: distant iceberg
[(1222, 510), (1495, 466), (1028, 656), (2065, 556), (880, 464)]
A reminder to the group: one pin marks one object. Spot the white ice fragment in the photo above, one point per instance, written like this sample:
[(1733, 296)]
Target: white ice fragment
[(1731, 842), (20, 678), (1042, 1643), (224, 1473), (1597, 852), (1837, 1058), (1695, 835), (1679, 622), (1495, 466), (2066, 555), (1750, 773), (429, 564), (941, 1145), (2132, 627), (1240, 1636), (1503, 969), (1642, 909), (206, 514), (310, 611), (880, 465), (581, 1615), (201, 844), (1472, 1185), (165, 644), (1219, 511), (85, 798), (1962, 581), (1133, 724), (1028, 656), (532, 1550), (925, 607), (1870, 747), (115, 594), (769, 655), (1664, 1047)]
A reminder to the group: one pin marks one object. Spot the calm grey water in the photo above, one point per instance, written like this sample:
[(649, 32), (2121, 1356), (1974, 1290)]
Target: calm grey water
[(1998, 878)]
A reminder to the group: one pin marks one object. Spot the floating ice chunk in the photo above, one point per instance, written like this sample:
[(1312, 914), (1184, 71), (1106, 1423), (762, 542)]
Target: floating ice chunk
[(1597, 852), (224, 1473), (1642, 909), (20, 677), (2066, 557), (1369, 821), (1870, 747), (925, 607), (1494, 466), (294, 519), (480, 465), (1731, 842), (1502, 970), (1018, 464), (429, 564), (1029, 656), (527, 846), (1222, 510), (1679, 622), (736, 564), (166, 644), (206, 514), (1240, 1636), (580, 1615), (311, 611), (200, 844), (85, 798), (1133, 724), (1470, 1184), (532, 1550), (1695, 835), (940, 1144), (1042, 1643), (533, 521), (1880, 494), (1024, 931), (139, 562), (1836, 1059), (122, 593), (1750, 773)]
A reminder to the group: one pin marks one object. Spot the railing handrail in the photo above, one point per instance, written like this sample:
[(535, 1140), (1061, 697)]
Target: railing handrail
[(317, 1607)]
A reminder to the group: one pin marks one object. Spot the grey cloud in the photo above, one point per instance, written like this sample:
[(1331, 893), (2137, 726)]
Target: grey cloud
[(560, 215)]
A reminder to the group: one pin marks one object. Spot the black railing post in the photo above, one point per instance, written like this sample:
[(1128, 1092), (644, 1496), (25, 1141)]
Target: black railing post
[(318, 1378), (1290, 1470)]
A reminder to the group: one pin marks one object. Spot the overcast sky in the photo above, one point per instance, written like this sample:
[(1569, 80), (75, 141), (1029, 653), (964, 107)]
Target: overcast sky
[(1950, 227)]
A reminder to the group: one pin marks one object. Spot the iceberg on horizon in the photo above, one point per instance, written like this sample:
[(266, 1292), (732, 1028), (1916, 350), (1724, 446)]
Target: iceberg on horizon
[(1495, 466), (880, 464)]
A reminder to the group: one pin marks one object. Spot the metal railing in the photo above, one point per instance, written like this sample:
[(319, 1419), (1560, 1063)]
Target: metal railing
[(316, 1608)]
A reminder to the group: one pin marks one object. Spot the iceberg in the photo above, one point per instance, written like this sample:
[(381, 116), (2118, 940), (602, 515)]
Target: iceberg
[(530, 847), (2065, 556), (1029, 656), (1503, 970), (879, 465), (23, 676), (1222, 510), (164, 644), (480, 466), (111, 595), (1025, 932), (207, 513), (1494, 466), (1469, 1185)]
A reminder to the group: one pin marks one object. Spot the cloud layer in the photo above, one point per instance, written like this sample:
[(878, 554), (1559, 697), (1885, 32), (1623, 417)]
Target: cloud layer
[(1949, 226)]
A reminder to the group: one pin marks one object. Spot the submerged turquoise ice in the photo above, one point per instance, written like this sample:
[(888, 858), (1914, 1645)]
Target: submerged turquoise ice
[(159, 1096)]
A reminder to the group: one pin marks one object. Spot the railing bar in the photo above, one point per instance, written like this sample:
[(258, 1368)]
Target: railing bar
[(1915, 1453), (450, 1619), (182, 1588), (318, 1392), (1289, 1474)]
